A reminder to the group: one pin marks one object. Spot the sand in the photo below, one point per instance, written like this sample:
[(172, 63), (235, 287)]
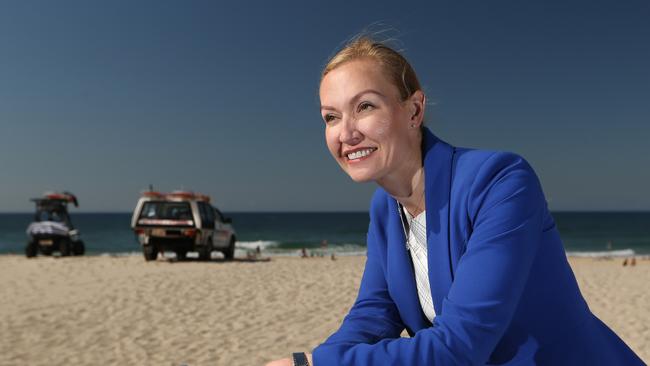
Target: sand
[(123, 311)]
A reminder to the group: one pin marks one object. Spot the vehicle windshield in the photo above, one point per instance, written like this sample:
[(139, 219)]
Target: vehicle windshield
[(163, 210), (50, 214)]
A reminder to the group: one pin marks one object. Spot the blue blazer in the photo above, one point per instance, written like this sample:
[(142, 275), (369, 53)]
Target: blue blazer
[(502, 288)]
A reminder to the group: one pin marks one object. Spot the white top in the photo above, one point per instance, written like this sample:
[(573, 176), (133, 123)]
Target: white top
[(417, 242)]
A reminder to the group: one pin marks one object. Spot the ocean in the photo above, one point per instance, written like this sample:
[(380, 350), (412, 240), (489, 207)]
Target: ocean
[(583, 233)]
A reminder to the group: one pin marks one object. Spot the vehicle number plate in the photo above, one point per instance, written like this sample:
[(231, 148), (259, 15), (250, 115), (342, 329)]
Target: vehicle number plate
[(46, 242), (158, 232)]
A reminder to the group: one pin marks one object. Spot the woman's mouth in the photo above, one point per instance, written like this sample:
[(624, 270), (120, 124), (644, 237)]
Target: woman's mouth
[(360, 154)]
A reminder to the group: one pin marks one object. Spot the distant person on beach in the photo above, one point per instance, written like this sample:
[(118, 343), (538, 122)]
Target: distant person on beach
[(256, 254), (632, 262), (463, 253), (323, 248)]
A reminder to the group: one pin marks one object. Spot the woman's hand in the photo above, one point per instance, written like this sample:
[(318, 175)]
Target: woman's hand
[(282, 362), (288, 361)]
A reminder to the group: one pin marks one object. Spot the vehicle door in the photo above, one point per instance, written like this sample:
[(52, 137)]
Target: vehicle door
[(221, 229), (207, 222)]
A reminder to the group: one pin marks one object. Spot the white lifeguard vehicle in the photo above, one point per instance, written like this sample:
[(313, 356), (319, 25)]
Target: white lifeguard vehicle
[(181, 222)]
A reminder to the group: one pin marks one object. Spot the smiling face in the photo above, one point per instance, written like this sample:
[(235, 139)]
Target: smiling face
[(370, 132)]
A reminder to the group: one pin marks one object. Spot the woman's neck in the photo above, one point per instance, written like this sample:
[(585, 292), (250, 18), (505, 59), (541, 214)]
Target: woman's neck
[(407, 186)]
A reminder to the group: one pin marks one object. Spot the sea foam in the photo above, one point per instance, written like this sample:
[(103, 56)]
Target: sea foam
[(603, 254)]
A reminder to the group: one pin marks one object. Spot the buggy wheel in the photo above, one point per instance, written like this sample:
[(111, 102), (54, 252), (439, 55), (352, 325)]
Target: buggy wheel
[(65, 247), (181, 255), (78, 248), (205, 252), (31, 250), (150, 252), (229, 253)]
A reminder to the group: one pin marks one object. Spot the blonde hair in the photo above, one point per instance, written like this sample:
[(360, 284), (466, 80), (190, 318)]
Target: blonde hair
[(395, 65)]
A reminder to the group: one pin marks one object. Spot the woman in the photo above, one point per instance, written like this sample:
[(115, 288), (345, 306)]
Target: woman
[(462, 251)]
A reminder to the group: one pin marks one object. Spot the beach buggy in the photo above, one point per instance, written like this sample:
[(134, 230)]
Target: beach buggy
[(181, 222), (52, 229)]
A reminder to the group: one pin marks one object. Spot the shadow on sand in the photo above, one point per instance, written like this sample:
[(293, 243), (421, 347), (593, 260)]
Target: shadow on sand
[(216, 260)]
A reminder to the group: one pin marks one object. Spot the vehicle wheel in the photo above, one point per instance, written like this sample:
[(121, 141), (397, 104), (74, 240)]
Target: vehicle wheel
[(230, 252), (150, 252), (78, 248), (65, 247), (205, 253), (181, 255), (31, 250)]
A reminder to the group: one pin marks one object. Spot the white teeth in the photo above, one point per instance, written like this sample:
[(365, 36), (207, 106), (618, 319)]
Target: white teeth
[(360, 154)]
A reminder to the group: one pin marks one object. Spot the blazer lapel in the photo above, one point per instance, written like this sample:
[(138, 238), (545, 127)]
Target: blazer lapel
[(437, 174)]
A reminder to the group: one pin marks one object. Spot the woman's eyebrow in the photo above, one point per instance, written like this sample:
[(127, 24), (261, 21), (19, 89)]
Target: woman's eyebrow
[(372, 91), (356, 97)]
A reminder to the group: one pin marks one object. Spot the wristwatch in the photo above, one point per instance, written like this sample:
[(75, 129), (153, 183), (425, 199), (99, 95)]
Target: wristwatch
[(300, 359)]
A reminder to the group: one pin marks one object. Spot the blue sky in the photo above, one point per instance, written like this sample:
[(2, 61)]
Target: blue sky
[(105, 98)]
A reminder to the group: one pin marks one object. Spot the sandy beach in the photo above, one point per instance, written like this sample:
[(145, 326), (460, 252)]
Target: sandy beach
[(123, 311)]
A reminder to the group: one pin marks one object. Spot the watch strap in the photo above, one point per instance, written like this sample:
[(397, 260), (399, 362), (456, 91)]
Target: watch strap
[(300, 359)]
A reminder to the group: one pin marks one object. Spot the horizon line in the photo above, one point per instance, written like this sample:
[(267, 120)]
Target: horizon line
[(333, 211)]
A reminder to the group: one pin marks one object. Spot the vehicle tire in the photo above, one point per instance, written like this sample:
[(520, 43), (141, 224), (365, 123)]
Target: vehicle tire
[(78, 248), (205, 253), (181, 255), (65, 247), (229, 253), (150, 252), (31, 250)]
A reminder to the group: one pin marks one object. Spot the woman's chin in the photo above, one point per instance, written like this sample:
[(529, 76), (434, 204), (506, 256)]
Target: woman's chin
[(359, 177), (359, 173)]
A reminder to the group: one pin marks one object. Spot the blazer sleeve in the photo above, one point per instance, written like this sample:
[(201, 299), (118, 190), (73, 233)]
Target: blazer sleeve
[(373, 316), (506, 206)]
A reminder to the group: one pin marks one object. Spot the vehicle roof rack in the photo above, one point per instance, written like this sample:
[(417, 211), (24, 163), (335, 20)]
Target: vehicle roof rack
[(61, 198), (177, 195)]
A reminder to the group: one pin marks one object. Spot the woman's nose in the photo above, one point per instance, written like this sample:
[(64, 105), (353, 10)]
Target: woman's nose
[(350, 135)]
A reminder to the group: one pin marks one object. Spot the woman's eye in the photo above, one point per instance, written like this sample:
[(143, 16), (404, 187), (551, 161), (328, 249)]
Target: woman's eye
[(365, 106), (328, 117)]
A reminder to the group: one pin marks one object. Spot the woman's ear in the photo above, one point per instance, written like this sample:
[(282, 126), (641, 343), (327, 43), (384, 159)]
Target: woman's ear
[(417, 101)]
